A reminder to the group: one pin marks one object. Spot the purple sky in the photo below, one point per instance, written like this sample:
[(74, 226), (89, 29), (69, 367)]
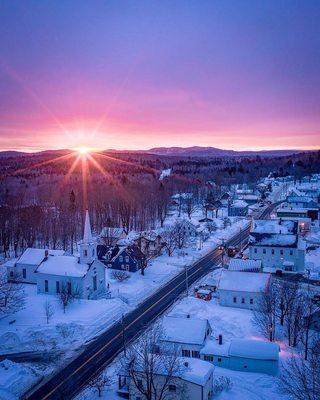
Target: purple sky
[(139, 74)]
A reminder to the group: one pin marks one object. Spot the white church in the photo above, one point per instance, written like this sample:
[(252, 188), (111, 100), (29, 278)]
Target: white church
[(53, 270)]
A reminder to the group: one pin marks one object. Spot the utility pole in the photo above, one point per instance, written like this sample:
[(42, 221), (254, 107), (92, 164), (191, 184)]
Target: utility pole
[(123, 336), (187, 280)]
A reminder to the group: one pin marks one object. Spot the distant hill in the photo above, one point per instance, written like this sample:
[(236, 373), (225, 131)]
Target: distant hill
[(6, 154), (197, 151)]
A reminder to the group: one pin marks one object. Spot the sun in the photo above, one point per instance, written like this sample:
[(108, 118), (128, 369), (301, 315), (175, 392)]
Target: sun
[(83, 150)]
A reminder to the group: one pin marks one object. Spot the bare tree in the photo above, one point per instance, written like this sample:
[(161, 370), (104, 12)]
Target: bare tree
[(294, 321), (120, 275), (67, 294), (152, 372), (48, 310), (12, 295), (99, 383), (287, 293), (190, 205), (300, 378), (311, 308), (211, 226), (264, 317), (169, 237)]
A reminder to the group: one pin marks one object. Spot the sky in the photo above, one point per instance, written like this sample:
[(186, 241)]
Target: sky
[(241, 74)]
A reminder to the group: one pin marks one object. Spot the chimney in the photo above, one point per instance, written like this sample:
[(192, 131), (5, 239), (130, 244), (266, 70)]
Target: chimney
[(220, 339)]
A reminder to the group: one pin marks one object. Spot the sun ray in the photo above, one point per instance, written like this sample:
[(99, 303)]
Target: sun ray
[(129, 163), (67, 176), (52, 160)]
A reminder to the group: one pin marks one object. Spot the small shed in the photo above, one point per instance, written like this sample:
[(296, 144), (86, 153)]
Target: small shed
[(243, 355)]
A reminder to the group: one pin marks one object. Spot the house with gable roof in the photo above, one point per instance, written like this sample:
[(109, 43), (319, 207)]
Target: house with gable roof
[(83, 276)]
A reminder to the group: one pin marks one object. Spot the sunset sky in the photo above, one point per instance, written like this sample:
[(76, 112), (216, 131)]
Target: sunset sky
[(140, 74)]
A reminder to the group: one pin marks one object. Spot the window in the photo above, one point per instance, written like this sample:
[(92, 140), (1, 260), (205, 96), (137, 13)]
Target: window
[(172, 388), (243, 300), (281, 252), (127, 267), (92, 252), (57, 286), (94, 282), (122, 266), (245, 366), (185, 353), (219, 359), (255, 250), (127, 259), (208, 358), (251, 301), (234, 299), (264, 251), (120, 259), (24, 273), (69, 287), (195, 354), (85, 253), (11, 274), (291, 252), (46, 286), (272, 251)]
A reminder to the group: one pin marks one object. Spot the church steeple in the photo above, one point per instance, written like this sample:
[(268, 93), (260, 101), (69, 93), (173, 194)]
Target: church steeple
[(87, 235), (87, 246)]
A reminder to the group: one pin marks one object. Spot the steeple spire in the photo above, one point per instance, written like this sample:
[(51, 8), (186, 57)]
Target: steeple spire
[(87, 235)]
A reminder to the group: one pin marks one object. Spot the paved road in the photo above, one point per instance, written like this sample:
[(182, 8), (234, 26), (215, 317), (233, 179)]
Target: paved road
[(101, 351)]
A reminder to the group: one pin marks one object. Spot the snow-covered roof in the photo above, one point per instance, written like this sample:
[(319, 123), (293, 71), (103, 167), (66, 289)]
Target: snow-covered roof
[(197, 371), (274, 226), (190, 369), (212, 347), (184, 330), (237, 264), (254, 349), (63, 265), (293, 210), (274, 240), (253, 282), (33, 256), (239, 204)]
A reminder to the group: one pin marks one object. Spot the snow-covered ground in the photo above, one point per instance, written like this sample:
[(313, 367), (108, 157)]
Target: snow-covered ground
[(231, 323), (84, 319)]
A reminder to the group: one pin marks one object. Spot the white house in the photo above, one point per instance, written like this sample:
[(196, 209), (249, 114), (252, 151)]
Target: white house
[(243, 355), (242, 289), (186, 334), (23, 269), (278, 246), (83, 275), (192, 381)]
